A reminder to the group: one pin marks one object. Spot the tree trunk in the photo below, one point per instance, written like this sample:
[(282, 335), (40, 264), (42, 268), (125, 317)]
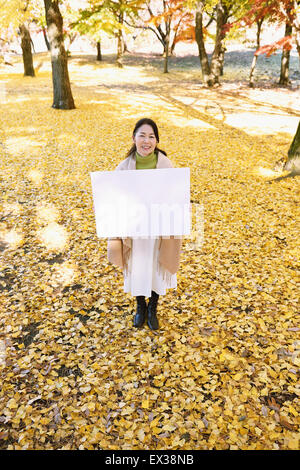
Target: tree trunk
[(46, 38), (120, 45), (222, 55), (119, 50), (285, 59), (71, 38), (124, 44), (99, 54), (172, 46), (293, 160), (254, 60), (62, 94), (26, 51), (296, 25), (298, 45), (168, 28), (218, 55), (251, 76), (166, 58), (205, 67)]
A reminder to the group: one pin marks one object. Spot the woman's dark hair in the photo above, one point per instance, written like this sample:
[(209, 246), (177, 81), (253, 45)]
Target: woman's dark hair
[(139, 124)]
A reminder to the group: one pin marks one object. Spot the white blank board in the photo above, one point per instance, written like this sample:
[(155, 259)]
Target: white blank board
[(143, 203)]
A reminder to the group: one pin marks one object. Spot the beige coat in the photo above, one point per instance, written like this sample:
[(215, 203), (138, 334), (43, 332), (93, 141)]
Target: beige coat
[(119, 249)]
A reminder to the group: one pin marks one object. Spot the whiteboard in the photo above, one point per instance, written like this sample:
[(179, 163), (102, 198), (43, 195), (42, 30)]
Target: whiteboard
[(142, 203)]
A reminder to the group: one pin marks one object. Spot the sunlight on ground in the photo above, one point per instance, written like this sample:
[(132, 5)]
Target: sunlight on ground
[(131, 104), (261, 124), (19, 145), (47, 213), (181, 121), (35, 176), (2, 352), (188, 100), (53, 237), (280, 97), (267, 172), (96, 101), (147, 102), (64, 274), (11, 208), (26, 129), (255, 118), (12, 237), (69, 139), (21, 99), (107, 75)]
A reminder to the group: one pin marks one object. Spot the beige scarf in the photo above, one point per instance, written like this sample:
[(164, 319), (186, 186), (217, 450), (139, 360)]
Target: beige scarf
[(119, 249)]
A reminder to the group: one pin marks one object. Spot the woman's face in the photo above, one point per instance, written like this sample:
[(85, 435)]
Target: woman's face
[(145, 140)]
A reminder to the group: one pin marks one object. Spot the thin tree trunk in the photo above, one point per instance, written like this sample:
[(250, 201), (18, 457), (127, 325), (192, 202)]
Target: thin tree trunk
[(168, 27), (251, 75), (222, 55), (26, 51), (46, 38), (254, 60), (62, 94), (172, 47), (71, 39), (296, 25), (120, 45), (298, 45), (285, 59), (124, 44), (166, 58), (205, 66), (99, 54), (119, 50)]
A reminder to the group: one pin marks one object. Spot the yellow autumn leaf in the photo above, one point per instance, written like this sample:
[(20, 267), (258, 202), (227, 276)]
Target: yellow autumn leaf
[(91, 406), (237, 376), (12, 404), (141, 435), (293, 411), (293, 444)]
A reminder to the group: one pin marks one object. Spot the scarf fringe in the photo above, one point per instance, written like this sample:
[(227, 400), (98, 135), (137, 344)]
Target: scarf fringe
[(163, 272), (126, 256), (166, 275)]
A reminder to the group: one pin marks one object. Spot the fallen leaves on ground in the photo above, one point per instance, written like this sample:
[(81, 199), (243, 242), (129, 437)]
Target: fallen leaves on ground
[(222, 371)]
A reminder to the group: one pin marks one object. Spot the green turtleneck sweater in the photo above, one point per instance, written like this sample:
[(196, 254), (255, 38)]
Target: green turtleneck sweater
[(146, 163)]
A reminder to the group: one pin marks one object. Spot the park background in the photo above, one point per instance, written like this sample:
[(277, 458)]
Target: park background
[(222, 371)]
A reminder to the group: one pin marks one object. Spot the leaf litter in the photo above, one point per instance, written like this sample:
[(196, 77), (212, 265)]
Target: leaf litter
[(222, 371)]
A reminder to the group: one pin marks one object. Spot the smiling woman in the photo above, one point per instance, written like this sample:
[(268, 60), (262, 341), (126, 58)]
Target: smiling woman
[(149, 264), (145, 140)]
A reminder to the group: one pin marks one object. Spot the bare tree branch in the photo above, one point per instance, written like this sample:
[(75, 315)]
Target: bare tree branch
[(145, 27)]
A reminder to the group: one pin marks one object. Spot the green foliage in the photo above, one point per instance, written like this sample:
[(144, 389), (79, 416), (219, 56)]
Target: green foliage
[(105, 15)]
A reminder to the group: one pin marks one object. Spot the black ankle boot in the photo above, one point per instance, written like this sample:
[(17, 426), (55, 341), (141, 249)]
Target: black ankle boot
[(141, 310), (152, 306)]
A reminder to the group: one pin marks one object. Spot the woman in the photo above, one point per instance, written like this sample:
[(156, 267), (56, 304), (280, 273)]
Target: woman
[(150, 264)]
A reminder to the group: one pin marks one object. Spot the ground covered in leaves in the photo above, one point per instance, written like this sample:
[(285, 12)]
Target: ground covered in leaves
[(222, 371)]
